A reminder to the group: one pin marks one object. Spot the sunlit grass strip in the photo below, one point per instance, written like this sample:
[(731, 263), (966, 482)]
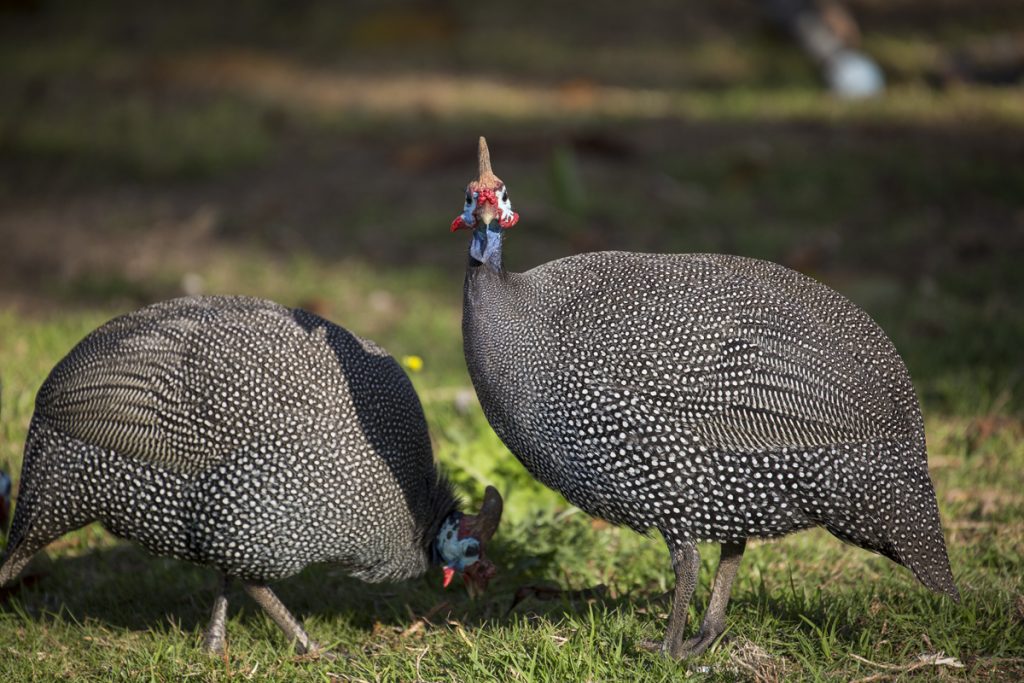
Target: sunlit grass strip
[(332, 92)]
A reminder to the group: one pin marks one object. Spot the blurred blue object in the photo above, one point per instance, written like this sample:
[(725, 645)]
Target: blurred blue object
[(829, 35), (853, 74)]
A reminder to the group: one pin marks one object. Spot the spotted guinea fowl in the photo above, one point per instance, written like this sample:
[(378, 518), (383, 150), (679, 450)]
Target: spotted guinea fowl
[(709, 397), (253, 438)]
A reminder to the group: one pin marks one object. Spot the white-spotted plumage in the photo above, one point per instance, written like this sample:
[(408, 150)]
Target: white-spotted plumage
[(709, 397), (238, 434)]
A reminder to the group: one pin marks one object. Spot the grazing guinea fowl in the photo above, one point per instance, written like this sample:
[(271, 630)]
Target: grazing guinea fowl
[(253, 438), (710, 397)]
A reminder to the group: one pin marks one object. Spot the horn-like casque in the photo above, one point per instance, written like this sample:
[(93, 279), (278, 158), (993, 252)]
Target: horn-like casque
[(486, 177), (485, 524)]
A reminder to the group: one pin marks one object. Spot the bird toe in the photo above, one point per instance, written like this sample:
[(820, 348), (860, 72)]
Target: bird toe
[(696, 645)]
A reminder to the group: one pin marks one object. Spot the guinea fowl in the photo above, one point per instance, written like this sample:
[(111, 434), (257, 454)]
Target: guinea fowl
[(709, 397), (253, 438)]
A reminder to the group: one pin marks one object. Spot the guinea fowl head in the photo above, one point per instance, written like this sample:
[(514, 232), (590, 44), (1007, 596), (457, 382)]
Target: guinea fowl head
[(487, 211), (461, 542)]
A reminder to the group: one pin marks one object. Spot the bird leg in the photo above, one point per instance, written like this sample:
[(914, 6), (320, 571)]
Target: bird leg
[(714, 618), (276, 610), (686, 563), (214, 638)]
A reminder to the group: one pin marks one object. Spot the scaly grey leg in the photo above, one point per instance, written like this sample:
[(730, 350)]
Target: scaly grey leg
[(714, 618), (214, 638), (276, 610), (686, 563)]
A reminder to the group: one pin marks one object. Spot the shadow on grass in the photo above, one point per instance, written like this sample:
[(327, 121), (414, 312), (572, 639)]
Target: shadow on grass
[(125, 587)]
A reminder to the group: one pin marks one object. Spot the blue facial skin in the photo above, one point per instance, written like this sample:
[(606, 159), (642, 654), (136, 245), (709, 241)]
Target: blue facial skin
[(468, 211), (452, 551), (469, 554), (486, 245)]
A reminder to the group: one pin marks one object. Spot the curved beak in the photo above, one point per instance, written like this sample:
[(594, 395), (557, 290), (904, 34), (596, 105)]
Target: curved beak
[(486, 213)]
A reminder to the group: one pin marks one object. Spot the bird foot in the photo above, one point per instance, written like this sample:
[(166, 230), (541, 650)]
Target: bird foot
[(694, 646), (213, 643), (213, 646), (687, 648)]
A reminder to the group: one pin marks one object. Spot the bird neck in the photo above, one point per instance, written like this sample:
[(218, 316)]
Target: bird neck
[(496, 309), (485, 249), (443, 508)]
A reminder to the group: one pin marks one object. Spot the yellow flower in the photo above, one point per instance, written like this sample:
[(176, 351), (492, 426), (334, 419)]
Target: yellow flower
[(412, 363)]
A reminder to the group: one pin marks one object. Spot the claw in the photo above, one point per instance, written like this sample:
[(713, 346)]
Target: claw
[(696, 645)]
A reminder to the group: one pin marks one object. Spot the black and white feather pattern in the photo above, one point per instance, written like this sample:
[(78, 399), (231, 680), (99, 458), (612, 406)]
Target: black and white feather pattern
[(236, 433), (710, 397)]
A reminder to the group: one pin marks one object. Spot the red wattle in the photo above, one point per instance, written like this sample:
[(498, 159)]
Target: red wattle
[(448, 574), (510, 222), (458, 223)]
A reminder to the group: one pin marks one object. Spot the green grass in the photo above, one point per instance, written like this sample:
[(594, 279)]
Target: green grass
[(802, 606)]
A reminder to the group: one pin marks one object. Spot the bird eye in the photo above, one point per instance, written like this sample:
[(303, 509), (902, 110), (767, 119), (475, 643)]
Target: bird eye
[(469, 199), (504, 196)]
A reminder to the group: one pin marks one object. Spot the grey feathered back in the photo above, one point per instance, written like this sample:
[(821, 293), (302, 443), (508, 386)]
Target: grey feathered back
[(237, 433), (711, 397)]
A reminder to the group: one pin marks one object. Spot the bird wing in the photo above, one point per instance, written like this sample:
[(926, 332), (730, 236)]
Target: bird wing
[(158, 384), (713, 350)]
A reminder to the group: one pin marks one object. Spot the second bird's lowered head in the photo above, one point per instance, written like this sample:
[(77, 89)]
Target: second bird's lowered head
[(461, 542), (487, 211)]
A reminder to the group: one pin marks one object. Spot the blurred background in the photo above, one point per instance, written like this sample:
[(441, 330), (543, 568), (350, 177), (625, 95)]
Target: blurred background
[(316, 152)]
